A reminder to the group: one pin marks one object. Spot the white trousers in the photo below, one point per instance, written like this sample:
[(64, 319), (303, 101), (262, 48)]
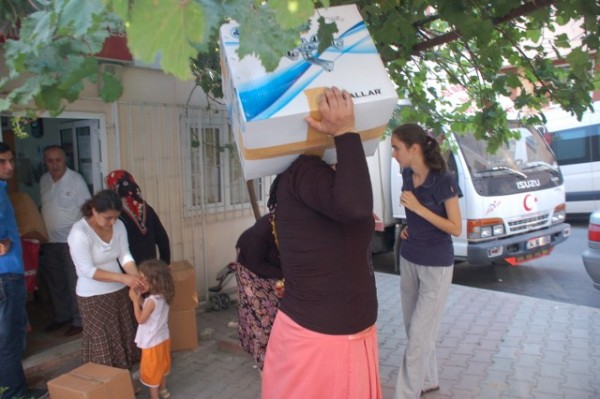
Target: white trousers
[(424, 292)]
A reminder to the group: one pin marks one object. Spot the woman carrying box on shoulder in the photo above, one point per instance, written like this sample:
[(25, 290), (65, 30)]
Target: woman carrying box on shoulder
[(324, 340)]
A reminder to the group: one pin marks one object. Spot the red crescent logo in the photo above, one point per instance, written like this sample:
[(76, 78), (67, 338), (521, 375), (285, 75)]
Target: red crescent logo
[(528, 202)]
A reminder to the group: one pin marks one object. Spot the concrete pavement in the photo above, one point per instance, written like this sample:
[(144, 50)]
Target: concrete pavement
[(491, 345)]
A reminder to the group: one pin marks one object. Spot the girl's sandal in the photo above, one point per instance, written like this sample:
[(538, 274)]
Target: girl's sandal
[(164, 394)]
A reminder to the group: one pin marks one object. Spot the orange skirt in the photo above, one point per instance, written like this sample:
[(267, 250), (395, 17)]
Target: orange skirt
[(155, 364), (302, 364)]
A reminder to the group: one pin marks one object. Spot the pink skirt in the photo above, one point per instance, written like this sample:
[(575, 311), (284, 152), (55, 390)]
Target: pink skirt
[(302, 364)]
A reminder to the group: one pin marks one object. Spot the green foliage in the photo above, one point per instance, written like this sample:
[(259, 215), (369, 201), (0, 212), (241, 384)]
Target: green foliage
[(291, 13), (50, 62), (432, 48), (168, 27), (260, 35)]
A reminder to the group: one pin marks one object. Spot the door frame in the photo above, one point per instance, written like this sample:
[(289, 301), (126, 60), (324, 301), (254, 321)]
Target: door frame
[(102, 136)]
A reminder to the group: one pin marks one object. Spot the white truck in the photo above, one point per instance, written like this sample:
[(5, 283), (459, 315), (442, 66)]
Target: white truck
[(512, 202)]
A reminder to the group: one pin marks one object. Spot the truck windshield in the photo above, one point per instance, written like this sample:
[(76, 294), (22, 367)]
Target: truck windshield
[(521, 165)]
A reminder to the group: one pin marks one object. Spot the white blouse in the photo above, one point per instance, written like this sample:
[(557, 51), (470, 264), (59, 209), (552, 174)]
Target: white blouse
[(90, 253)]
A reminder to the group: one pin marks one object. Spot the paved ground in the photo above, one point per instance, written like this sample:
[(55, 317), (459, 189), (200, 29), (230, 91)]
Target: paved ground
[(491, 345)]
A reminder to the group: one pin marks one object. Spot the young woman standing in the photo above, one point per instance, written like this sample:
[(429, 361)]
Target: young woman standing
[(430, 196)]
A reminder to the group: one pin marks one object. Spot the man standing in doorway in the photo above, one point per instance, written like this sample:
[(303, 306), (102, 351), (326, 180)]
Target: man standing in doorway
[(63, 192), (13, 295)]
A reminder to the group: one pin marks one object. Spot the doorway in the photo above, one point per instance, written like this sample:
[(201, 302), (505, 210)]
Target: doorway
[(83, 138)]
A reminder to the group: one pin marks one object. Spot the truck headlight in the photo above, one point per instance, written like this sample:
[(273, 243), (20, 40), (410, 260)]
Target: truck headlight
[(560, 214), (484, 228)]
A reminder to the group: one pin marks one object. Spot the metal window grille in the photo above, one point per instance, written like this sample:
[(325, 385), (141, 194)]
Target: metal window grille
[(214, 176)]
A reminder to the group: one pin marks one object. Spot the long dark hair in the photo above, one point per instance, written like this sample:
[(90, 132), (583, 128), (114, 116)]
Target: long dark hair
[(272, 201), (411, 133), (102, 201)]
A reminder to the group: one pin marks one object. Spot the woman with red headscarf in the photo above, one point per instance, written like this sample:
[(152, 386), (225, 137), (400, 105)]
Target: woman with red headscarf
[(145, 232)]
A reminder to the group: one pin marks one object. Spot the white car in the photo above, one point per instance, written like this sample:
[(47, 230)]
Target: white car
[(591, 256)]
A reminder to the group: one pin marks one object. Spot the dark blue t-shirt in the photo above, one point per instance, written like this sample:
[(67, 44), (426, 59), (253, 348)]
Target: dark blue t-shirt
[(426, 244)]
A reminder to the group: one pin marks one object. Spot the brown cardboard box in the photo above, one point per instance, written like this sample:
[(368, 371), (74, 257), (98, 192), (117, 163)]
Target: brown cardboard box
[(92, 381), (184, 276), (183, 329)]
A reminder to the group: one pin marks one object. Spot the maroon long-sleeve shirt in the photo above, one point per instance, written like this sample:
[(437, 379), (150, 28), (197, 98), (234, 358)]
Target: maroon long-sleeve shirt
[(324, 225)]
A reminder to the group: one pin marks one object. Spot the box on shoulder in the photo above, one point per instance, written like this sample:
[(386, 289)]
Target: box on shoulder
[(184, 277), (92, 381), (183, 330), (267, 109)]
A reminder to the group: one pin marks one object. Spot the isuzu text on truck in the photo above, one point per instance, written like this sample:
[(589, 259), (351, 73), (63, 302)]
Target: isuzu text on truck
[(512, 202)]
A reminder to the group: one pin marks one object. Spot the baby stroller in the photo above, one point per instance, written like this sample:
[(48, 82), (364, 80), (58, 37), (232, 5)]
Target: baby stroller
[(219, 300)]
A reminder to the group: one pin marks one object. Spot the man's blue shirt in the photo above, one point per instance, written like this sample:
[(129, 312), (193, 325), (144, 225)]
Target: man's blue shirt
[(12, 262)]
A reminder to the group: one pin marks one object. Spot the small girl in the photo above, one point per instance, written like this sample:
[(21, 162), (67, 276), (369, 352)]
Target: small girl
[(152, 335)]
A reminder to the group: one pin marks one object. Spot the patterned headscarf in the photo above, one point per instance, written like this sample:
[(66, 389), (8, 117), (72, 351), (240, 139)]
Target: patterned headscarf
[(123, 183)]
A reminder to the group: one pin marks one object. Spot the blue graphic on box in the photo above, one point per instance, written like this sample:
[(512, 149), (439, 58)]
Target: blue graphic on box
[(263, 97)]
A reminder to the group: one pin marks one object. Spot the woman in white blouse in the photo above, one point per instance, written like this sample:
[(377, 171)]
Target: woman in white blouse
[(105, 271)]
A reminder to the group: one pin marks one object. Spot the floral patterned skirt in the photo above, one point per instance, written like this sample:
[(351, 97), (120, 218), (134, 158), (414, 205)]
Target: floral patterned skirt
[(257, 307)]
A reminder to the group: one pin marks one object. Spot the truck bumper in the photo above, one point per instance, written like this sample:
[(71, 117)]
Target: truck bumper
[(517, 249)]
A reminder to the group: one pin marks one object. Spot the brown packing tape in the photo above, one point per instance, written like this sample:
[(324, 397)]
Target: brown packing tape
[(302, 147), (312, 95)]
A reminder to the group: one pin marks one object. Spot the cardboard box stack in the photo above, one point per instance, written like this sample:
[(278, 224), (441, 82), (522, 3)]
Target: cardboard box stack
[(92, 381), (267, 109), (182, 313)]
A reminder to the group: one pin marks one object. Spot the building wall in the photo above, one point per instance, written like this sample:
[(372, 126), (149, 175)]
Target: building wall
[(144, 131), (142, 134)]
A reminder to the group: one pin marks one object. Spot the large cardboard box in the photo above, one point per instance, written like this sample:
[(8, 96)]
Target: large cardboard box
[(183, 329), (184, 277), (92, 381), (267, 109)]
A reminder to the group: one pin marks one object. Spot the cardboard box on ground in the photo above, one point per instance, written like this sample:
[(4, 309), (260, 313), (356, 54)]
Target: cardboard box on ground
[(267, 109), (182, 311), (92, 381), (183, 330)]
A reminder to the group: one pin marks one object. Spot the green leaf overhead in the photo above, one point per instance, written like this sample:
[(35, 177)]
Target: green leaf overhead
[(485, 49), (291, 13), (168, 28), (260, 35)]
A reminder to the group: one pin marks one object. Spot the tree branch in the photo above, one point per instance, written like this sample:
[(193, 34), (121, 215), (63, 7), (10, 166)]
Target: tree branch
[(525, 9)]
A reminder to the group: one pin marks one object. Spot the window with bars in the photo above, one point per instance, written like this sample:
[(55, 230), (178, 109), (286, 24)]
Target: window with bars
[(213, 174)]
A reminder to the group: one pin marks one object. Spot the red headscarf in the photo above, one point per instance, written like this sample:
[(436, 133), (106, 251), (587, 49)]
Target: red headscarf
[(123, 183)]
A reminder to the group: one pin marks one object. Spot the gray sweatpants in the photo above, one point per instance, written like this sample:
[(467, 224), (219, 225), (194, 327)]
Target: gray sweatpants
[(424, 292), (58, 270)]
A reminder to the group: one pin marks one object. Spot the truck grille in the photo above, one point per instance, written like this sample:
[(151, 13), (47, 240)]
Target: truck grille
[(530, 223)]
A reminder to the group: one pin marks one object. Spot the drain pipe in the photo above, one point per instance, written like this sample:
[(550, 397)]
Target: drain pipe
[(117, 131)]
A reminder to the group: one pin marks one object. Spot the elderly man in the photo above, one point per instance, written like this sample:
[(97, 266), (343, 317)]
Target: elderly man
[(63, 192), (13, 317)]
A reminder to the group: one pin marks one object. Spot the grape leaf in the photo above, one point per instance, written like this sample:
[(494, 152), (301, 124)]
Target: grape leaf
[(259, 34), (167, 27), (292, 13), (110, 88)]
